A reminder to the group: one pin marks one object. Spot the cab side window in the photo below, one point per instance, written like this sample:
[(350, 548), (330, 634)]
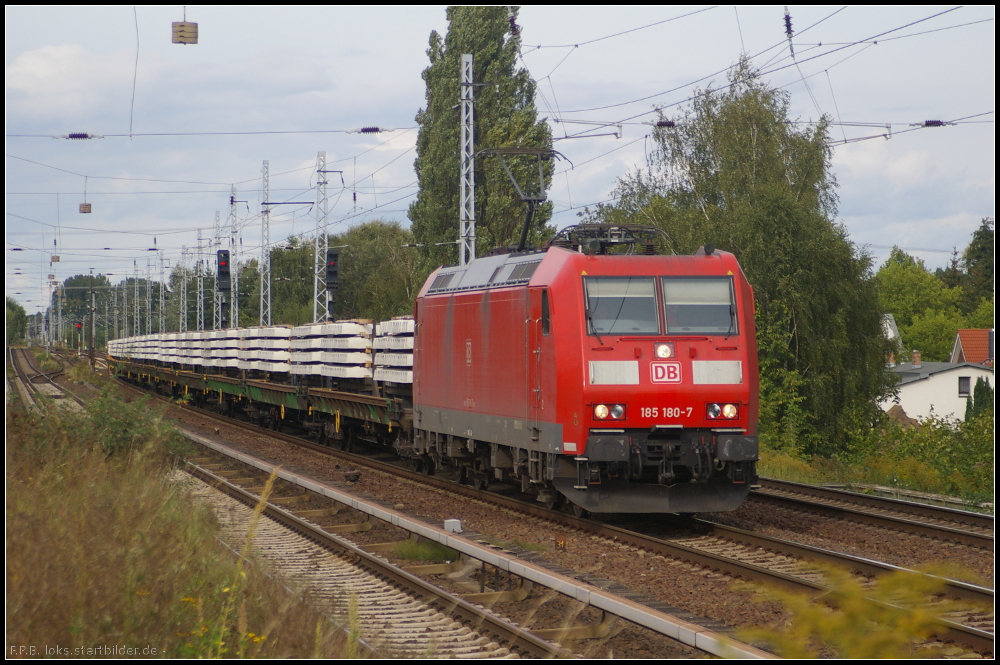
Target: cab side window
[(545, 312)]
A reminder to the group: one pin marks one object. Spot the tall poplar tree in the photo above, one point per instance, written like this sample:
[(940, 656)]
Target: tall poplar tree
[(505, 116)]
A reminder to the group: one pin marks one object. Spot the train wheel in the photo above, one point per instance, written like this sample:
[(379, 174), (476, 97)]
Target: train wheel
[(580, 511), (480, 482)]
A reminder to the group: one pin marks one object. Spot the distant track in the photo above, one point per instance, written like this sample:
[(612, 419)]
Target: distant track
[(969, 528)]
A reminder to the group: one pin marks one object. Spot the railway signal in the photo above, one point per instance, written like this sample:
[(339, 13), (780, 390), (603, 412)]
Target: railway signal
[(223, 278), (332, 271)]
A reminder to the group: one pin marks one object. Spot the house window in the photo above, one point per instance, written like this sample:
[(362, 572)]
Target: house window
[(964, 386)]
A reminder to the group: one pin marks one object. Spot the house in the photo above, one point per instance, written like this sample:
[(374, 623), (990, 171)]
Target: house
[(941, 389), (973, 346)]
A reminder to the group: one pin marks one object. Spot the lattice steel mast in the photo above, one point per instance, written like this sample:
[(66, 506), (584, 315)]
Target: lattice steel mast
[(321, 304), (265, 251), (467, 177)]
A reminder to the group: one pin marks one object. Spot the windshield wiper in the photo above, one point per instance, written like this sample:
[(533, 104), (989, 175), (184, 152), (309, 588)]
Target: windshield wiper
[(590, 318)]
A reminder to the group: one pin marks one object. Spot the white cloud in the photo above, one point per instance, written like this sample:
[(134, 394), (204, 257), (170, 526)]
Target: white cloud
[(66, 80)]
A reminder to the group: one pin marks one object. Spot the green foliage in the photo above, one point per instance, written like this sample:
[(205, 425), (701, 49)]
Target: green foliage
[(379, 278), (933, 334), (882, 620), (977, 261), (939, 456), (505, 116), (926, 310), (982, 399), (735, 172), (17, 322), (983, 316)]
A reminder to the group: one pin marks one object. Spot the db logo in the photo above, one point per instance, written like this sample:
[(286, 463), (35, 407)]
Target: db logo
[(666, 372)]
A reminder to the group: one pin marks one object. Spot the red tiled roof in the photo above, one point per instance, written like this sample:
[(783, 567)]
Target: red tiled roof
[(975, 345)]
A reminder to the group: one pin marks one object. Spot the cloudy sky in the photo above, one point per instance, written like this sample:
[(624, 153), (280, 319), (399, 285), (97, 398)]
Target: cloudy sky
[(281, 84)]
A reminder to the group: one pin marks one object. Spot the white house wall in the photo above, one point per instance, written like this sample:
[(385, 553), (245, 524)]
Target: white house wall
[(938, 392)]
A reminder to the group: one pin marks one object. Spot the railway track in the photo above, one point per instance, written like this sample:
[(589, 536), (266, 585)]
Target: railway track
[(399, 615), (36, 387), (969, 528), (718, 548), (505, 563)]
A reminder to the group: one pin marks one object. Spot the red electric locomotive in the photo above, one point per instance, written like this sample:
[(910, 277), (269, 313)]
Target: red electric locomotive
[(624, 382)]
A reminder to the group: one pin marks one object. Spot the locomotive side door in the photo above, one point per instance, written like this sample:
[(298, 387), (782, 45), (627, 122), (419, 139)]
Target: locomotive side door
[(537, 312)]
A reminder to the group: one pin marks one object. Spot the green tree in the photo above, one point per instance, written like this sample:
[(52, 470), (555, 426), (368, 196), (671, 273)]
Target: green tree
[(292, 282), (733, 170), (379, 277), (927, 311), (977, 260), (933, 334), (982, 316), (505, 116), (75, 294), (17, 322), (982, 399)]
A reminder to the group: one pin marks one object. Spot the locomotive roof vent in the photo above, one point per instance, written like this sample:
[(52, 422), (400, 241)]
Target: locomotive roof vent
[(487, 272)]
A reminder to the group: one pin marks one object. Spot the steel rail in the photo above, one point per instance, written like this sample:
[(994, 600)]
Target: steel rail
[(899, 523), (515, 638)]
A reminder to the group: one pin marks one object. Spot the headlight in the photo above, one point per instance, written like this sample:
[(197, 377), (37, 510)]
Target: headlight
[(664, 350), (726, 411), (612, 411)]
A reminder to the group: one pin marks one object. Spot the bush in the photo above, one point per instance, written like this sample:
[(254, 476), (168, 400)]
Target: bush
[(941, 456), (856, 627)]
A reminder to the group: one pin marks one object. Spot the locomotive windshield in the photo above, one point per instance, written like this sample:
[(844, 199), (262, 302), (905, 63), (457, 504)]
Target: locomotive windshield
[(621, 305), (699, 305)]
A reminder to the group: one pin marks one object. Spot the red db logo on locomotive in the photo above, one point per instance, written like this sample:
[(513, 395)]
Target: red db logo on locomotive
[(666, 372)]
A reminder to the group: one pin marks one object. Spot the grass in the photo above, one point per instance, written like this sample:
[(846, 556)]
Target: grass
[(424, 551), (102, 549)]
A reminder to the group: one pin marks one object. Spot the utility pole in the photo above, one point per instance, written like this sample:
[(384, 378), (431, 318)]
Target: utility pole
[(467, 177), (201, 288), (163, 299), (234, 307), (93, 306), (60, 295), (182, 315), (149, 298), (138, 321), (216, 295), (265, 250), (124, 329), (321, 303)]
